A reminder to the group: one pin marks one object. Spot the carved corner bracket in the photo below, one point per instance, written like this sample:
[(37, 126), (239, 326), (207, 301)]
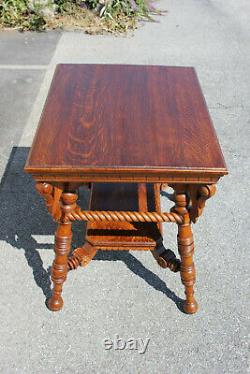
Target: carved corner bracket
[(198, 196), (52, 196)]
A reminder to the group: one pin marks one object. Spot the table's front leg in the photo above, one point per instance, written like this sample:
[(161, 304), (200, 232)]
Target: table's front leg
[(186, 248), (63, 237), (60, 202)]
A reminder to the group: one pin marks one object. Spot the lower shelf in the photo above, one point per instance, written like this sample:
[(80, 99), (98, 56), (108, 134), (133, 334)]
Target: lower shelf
[(124, 235)]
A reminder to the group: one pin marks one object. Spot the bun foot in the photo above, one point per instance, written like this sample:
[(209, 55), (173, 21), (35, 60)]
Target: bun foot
[(55, 304), (190, 308)]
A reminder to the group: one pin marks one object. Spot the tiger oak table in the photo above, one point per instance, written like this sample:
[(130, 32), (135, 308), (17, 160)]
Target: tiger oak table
[(125, 131)]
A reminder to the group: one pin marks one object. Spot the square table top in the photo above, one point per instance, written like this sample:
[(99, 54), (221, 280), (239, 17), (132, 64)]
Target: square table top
[(125, 122)]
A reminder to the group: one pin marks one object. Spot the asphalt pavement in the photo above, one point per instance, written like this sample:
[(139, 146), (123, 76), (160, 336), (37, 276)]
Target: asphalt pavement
[(121, 313)]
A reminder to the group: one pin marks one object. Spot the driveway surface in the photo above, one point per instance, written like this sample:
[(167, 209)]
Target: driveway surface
[(126, 295)]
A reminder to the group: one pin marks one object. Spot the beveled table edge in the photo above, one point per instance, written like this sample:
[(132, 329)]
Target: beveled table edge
[(127, 174)]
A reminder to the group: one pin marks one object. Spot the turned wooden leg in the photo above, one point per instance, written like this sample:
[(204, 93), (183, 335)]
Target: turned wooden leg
[(59, 270), (186, 250), (63, 238)]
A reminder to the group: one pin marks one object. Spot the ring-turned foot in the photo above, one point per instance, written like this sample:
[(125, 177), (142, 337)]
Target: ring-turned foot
[(55, 304)]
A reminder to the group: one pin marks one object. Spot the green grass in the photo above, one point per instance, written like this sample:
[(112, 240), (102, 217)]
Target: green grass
[(94, 16)]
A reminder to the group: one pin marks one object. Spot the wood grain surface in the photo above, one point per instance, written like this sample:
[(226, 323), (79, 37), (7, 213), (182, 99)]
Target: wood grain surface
[(124, 235), (106, 119)]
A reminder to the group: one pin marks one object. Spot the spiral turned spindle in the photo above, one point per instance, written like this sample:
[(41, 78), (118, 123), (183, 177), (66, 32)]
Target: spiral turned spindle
[(83, 215)]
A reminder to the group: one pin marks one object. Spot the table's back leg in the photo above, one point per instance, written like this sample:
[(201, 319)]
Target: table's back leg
[(186, 249), (164, 257), (63, 237)]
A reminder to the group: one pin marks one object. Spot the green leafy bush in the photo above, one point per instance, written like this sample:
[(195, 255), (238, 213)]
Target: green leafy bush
[(15, 13), (92, 15)]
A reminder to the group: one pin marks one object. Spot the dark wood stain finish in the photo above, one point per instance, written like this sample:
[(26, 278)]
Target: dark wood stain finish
[(115, 119), (122, 235), (129, 125)]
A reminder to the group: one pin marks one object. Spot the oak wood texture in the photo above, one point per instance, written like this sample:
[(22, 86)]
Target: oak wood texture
[(106, 235), (137, 127), (81, 256), (63, 237), (186, 249), (125, 123)]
